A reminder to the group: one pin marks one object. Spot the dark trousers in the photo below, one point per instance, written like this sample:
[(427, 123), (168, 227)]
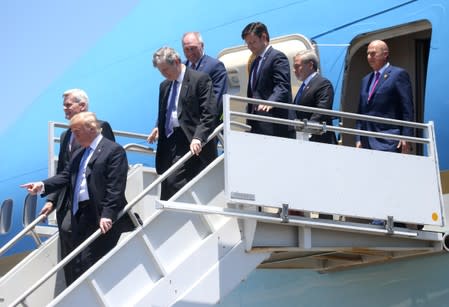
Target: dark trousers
[(177, 145), (83, 224), (66, 242)]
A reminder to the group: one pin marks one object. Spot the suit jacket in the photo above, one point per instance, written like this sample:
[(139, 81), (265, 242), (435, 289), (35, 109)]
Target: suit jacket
[(318, 93), (197, 115), (273, 84), (217, 72), (392, 98), (106, 175), (60, 197)]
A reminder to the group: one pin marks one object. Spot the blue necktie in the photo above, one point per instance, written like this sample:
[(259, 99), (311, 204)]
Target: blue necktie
[(298, 95), (254, 72), (79, 179), (170, 108)]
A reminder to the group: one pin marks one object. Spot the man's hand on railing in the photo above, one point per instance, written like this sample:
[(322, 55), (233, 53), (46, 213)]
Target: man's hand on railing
[(154, 135), (264, 108), (105, 225), (404, 146), (358, 144), (195, 147), (47, 208)]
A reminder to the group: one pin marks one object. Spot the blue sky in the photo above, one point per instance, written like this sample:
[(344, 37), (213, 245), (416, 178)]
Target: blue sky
[(37, 47)]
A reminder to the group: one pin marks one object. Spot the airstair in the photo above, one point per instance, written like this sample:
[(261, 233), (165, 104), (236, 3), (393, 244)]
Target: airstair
[(259, 204)]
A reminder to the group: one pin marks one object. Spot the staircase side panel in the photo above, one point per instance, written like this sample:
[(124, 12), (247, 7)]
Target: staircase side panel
[(315, 177), (222, 278), (29, 271), (116, 278), (198, 264)]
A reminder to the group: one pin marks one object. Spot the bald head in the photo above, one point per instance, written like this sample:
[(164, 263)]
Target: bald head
[(377, 54)]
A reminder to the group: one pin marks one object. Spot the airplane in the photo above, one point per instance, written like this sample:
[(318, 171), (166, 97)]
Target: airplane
[(106, 49)]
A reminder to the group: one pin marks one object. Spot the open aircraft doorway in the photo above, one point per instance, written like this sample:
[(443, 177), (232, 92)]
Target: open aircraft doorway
[(409, 46)]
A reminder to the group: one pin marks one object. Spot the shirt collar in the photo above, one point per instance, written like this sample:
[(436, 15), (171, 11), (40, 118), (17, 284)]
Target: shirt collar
[(381, 71), (262, 55), (181, 75), (310, 77), (197, 62), (95, 142)]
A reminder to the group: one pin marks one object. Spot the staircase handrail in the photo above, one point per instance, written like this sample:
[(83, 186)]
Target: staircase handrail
[(125, 210), (22, 233), (316, 127)]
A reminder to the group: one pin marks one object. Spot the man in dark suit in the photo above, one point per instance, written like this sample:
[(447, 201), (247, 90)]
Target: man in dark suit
[(315, 91), (193, 46), (74, 102), (269, 79), (187, 116), (95, 178), (386, 92)]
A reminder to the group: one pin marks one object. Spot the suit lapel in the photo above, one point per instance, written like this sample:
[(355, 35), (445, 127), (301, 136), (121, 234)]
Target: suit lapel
[(94, 157), (383, 77), (262, 65), (75, 166), (184, 91), (66, 139), (165, 93), (305, 91), (309, 85), (202, 63), (165, 90)]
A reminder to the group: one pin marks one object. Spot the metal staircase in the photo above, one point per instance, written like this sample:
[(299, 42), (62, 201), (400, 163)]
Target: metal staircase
[(257, 205), (25, 274), (174, 258)]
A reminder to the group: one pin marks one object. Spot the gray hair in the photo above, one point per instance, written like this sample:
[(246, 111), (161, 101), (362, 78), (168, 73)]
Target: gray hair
[(309, 56), (165, 55), (196, 34), (78, 95)]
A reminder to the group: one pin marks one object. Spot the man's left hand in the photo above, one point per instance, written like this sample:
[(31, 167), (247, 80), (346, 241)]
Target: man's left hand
[(105, 224), (195, 147)]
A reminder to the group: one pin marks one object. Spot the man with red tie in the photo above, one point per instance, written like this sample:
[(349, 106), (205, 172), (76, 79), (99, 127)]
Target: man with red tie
[(385, 92), (193, 47)]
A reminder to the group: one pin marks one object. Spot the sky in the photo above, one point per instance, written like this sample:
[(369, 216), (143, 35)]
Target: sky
[(38, 47)]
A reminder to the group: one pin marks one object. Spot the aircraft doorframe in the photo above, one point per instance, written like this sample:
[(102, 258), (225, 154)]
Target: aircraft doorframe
[(409, 46)]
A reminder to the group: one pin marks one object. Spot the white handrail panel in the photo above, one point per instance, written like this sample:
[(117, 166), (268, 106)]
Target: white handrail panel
[(309, 176)]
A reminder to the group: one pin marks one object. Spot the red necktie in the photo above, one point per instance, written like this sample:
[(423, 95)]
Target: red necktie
[(376, 80)]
